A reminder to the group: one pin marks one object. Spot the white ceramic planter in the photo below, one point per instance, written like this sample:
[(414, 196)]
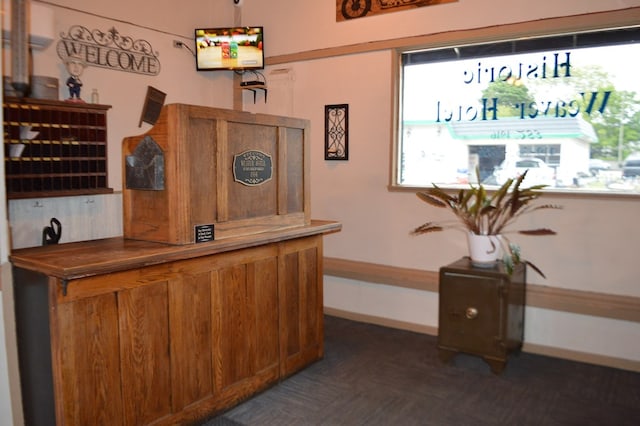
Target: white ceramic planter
[(484, 250)]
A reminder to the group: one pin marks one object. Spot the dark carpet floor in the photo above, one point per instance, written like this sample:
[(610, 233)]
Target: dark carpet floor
[(373, 375)]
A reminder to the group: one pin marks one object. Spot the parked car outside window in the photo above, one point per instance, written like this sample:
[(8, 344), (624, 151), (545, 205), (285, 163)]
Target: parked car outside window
[(539, 173), (596, 165), (631, 167)]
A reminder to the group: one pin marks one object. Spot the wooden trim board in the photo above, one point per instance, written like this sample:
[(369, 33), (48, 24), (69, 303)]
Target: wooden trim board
[(626, 308)]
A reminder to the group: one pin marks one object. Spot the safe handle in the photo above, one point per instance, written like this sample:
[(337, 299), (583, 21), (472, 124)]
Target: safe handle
[(471, 313)]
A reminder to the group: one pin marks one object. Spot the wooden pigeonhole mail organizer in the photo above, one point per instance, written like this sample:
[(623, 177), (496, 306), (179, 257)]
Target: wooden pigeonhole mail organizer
[(202, 174)]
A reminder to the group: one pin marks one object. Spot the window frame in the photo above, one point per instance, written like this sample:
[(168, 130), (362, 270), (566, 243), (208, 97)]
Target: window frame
[(477, 37)]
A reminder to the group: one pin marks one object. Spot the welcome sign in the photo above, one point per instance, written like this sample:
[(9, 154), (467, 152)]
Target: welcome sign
[(108, 49)]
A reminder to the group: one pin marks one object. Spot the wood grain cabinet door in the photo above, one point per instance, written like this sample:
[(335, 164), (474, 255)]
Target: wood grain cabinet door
[(144, 353), (175, 342), (300, 288), (245, 322), (88, 361), (190, 331), (113, 350)]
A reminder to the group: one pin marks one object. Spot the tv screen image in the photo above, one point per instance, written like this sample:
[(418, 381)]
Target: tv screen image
[(231, 48)]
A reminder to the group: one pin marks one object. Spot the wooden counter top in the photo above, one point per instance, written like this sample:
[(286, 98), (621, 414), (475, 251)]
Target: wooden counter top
[(88, 258), (121, 331)]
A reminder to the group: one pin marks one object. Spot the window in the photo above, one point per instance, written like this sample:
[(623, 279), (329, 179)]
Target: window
[(565, 107)]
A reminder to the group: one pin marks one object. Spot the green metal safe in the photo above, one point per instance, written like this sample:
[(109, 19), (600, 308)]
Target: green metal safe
[(481, 311)]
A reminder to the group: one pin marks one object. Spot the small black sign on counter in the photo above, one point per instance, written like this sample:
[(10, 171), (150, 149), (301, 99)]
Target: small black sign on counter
[(204, 233), (252, 168)]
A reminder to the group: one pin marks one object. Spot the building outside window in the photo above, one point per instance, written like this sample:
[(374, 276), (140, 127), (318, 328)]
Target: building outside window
[(564, 107)]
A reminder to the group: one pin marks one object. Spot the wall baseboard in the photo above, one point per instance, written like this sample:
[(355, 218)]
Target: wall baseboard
[(381, 321), (625, 308), (606, 361)]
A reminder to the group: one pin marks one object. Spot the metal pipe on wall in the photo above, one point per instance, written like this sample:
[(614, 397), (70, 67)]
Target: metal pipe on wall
[(20, 46)]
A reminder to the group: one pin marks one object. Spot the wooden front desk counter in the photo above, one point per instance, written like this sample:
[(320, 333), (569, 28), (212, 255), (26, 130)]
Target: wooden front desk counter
[(125, 332)]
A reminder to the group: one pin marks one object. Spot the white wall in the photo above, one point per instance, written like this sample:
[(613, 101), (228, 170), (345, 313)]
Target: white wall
[(5, 397), (310, 25), (7, 334), (598, 240)]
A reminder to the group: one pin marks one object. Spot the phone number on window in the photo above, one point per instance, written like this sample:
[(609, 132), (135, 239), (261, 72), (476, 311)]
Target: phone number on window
[(516, 134)]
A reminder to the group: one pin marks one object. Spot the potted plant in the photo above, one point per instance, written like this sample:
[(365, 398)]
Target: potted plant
[(485, 217)]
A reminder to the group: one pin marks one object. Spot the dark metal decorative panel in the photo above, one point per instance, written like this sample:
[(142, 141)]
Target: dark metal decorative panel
[(145, 167), (336, 132), (153, 103)]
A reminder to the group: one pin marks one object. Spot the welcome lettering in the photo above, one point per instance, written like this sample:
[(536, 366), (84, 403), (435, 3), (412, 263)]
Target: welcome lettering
[(108, 50)]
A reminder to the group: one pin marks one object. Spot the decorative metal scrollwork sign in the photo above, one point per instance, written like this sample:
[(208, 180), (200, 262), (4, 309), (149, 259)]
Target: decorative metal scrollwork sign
[(336, 132), (252, 168), (108, 49)]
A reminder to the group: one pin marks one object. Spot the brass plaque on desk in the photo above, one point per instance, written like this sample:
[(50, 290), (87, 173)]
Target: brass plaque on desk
[(252, 168)]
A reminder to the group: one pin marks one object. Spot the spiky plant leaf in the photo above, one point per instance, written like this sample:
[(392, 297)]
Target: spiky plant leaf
[(539, 231), (425, 228), (483, 212)]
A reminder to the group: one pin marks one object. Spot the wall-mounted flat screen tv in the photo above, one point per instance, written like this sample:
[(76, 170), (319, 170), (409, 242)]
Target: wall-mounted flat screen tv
[(230, 48)]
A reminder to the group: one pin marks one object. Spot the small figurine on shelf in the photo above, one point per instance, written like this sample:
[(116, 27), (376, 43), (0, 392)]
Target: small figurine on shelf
[(75, 67)]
